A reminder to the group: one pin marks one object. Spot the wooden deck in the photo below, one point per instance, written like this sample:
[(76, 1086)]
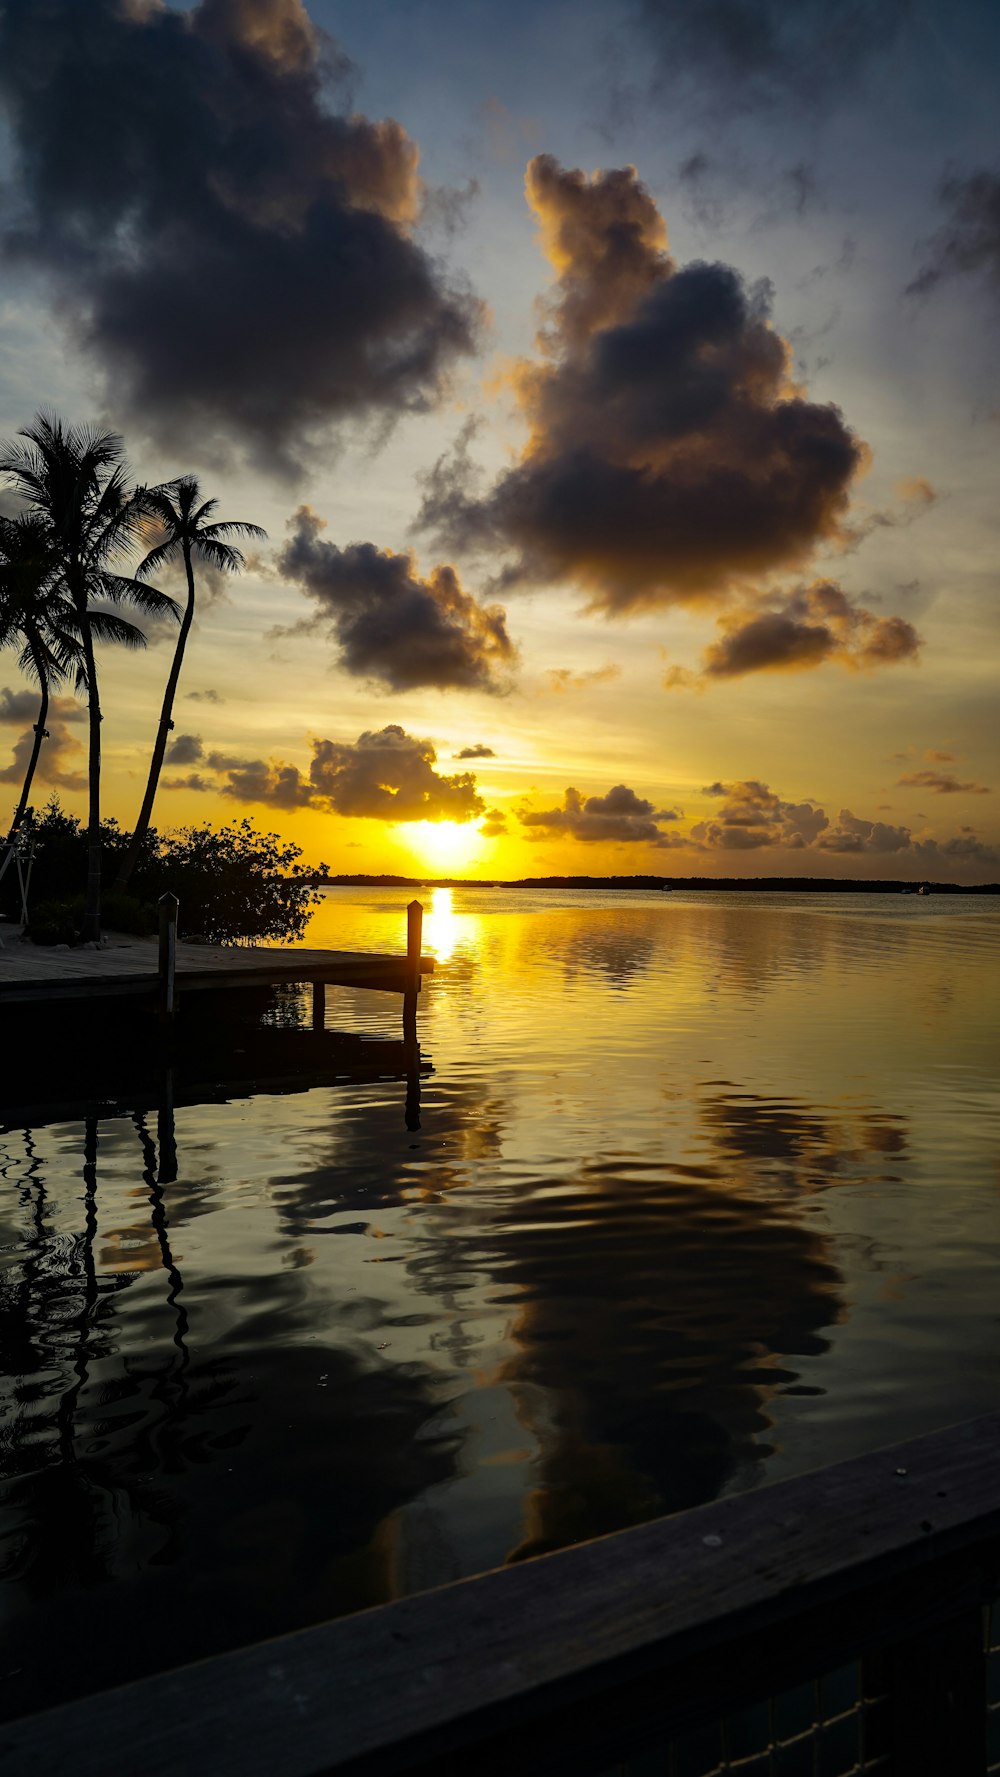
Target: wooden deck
[(125, 966)]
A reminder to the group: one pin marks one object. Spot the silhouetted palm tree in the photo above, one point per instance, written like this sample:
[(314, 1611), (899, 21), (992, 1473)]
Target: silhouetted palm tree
[(75, 478), (38, 617), (188, 530)]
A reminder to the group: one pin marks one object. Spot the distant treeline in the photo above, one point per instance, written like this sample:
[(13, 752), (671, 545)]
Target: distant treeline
[(761, 884)]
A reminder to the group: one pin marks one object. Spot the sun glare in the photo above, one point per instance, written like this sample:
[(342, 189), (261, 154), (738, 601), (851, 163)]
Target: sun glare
[(444, 845)]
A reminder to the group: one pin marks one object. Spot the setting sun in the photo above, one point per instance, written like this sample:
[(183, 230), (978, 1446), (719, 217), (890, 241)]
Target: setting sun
[(443, 845)]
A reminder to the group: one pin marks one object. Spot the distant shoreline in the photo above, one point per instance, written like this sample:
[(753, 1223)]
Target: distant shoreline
[(762, 884)]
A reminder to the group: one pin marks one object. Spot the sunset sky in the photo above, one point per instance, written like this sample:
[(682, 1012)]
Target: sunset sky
[(617, 382)]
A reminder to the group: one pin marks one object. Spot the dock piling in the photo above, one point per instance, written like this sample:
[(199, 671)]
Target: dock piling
[(414, 930), (168, 958), (319, 1005)]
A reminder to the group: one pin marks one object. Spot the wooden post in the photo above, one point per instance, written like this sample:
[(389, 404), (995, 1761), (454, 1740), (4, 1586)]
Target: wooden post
[(414, 930), (319, 1005), (168, 958)]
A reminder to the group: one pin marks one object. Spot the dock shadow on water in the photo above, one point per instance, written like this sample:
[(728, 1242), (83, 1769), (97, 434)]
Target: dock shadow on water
[(293, 1323)]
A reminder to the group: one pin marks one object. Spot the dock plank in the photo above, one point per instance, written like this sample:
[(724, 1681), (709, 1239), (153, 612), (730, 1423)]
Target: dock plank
[(29, 972)]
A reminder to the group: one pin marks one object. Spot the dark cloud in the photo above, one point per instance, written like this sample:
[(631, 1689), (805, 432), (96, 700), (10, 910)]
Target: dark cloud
[(235, 251), (969, 243), (753, 55), (853, 834), (390, 622), (479, 751), (669, 455), (386, 775), (207, 696), (620, 817), (964, 848), (187, 749), (494, 824), (22, 706), (814, 624), (937, 755), (194, 781), (943, 783), (753, 816)]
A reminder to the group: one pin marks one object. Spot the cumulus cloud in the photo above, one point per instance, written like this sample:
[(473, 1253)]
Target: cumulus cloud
[(963, 848), (22, 706), (669, 455), (187, 749), (813, 624), (494, 824), (753, 815), (479, 751), (385, 775), (621, 817), (59, 759), (757, 55), (390, 622), (943, 783), (854, 834), (207, 696), (234, 250), (969, 242)]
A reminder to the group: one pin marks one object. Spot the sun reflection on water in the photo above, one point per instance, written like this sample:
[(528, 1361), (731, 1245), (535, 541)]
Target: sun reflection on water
[(442, 926)]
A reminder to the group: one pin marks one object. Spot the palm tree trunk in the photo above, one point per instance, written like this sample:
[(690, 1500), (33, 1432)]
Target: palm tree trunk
[(162, 735), (43, 710), (92, 909)]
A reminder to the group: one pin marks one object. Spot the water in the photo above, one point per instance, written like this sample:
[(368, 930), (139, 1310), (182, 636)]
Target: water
[(705, 1193)]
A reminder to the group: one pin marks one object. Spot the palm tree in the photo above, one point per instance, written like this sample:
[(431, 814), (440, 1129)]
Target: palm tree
[(188, 529), (27, 596), (75, 478), (37, 616)]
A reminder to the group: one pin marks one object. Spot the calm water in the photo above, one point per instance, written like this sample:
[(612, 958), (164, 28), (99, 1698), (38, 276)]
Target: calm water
[(706, 1192)]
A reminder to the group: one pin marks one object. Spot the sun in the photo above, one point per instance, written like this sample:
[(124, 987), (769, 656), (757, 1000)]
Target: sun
[(443, 845)]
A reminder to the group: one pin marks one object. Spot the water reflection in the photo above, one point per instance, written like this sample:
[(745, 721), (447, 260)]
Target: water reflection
[(691, 1196)]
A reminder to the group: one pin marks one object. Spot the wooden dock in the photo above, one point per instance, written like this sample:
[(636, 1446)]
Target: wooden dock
[(165, 968)]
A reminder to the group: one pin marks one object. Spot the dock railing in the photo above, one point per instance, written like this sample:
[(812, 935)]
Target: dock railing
[(844, 1621)]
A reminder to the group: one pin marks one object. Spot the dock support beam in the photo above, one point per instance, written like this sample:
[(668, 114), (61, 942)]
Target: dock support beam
[(168, 960), (319, 1005), (414, 931)]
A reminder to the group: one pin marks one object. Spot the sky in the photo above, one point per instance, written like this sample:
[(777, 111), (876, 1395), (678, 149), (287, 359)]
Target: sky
[(616, 382)]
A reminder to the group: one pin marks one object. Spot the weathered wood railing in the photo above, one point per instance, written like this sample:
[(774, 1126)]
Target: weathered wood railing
[(602, 1658)]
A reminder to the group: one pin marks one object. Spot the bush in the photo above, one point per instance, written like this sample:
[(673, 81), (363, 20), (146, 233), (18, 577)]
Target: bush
[(234, 884), (57, 922)]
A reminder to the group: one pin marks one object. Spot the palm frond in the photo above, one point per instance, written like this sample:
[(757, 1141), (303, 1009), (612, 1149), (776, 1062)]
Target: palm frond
[(108, 626), (120, 589)]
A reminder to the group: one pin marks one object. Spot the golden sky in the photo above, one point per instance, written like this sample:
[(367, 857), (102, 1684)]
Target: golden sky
[(619, 398)]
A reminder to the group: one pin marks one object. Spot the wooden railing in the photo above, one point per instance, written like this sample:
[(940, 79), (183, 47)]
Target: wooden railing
[(834, 1623)]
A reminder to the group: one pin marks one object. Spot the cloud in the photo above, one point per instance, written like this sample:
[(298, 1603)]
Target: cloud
[(207, 696), (562, 678), (494, 824), (390, 622), (479, 751), (943, 783), (669, 455), (194, 781), (22, 706), (620, 817), (936, 755), (969, 242), (386, 775), (187, 749), (753, 815), (962, 849), (853, 834), (814, 624), (757, 55), (231, 243), (57, 761)]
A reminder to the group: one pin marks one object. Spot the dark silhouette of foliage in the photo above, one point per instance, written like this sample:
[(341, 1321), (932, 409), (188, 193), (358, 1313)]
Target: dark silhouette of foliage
[(75, 479), (234, 884)]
